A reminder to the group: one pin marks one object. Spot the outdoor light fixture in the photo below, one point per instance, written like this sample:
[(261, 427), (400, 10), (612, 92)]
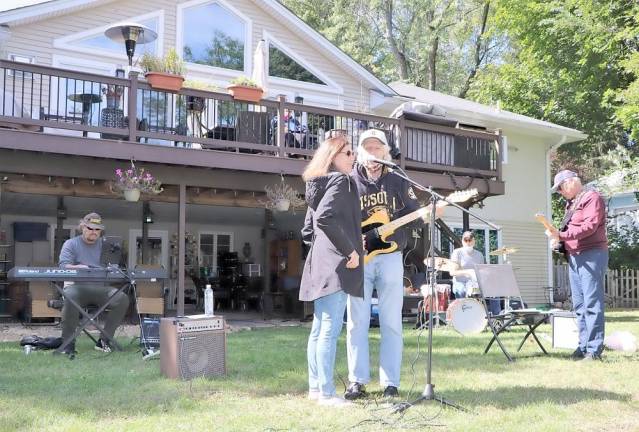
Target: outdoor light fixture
[(147, 214), (131, 34)]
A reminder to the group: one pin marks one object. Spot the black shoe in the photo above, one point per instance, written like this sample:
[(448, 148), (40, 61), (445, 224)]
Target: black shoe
[(577, 355), (588, 357), (102, 345), (69, 350), (355, 390), (391, 392)]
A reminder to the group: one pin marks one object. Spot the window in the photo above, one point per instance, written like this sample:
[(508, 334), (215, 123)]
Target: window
[(213, 36), (211, 245), (102, 42), (481, 245), (282, 66)]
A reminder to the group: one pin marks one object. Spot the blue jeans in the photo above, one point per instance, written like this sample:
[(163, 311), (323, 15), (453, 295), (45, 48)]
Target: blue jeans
[(385, 274), (328, 318), (586, 274)]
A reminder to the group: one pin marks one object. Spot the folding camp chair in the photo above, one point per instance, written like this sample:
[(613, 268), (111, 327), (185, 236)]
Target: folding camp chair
[(497, 281)]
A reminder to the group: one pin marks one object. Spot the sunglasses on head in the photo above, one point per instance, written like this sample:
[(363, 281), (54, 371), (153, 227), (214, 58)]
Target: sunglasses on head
[(335, 133)]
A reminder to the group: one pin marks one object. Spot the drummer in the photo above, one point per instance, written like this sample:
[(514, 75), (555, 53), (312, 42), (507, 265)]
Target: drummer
[(466, 257), (464, 279)]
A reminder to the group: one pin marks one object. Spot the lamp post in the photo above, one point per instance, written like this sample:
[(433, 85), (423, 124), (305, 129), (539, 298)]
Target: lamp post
[(131, 34)]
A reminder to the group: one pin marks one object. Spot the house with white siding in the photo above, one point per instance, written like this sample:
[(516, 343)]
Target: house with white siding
[(61, 140)]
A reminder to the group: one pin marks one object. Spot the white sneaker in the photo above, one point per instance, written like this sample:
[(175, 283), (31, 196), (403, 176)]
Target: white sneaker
[(313, 394), (334, 401)]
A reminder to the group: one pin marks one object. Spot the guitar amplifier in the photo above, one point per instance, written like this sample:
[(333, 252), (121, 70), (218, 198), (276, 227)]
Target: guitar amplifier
[(193, 346)]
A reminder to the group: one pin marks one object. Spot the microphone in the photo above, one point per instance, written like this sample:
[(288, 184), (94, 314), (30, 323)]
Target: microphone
[(370, 158)]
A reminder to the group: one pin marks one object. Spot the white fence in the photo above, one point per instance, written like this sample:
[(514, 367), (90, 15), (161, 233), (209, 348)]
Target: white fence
[(621, 287)]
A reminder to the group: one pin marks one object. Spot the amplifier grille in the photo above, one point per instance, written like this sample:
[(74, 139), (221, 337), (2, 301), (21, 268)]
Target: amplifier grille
[(201, 353)]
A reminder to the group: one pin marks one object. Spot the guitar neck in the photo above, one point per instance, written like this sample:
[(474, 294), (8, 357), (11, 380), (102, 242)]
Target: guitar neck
[(406, 219)]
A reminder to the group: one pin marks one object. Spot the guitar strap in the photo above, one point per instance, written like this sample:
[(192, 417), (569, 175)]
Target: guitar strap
[(571, 210)]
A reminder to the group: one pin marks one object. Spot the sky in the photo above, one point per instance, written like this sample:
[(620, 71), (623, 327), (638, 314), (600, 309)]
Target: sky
[(12, 4)]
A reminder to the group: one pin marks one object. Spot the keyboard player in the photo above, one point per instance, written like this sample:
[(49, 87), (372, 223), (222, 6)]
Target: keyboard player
[(84, 251)]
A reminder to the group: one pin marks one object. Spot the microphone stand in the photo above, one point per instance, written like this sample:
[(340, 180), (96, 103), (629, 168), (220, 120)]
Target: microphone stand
[(429, 390)]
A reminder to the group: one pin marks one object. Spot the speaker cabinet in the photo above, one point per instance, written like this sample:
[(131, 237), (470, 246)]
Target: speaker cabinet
[(193, 346)]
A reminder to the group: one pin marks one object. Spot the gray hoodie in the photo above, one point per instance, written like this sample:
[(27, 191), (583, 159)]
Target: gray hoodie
[(332, 228)]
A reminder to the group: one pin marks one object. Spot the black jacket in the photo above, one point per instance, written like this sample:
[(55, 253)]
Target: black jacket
[(390, 192), (332, 229)]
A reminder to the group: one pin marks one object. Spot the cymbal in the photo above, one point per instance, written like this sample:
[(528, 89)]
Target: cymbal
[(504, 251), (443, 264)]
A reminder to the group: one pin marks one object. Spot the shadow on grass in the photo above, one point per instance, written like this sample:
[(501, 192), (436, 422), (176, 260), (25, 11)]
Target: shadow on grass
[(516, 396)]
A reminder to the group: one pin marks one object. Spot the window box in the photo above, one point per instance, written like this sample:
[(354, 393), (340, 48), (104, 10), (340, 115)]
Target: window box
[(164, 81), (245, 93)]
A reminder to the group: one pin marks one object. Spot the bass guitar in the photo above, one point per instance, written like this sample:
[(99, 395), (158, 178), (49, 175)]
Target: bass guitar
[(541, 218), (378, 227)]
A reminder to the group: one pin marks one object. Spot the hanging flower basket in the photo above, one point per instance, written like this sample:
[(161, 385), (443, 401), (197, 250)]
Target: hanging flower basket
[(132, 195), (282, 205), (133, 181), (282, 197)]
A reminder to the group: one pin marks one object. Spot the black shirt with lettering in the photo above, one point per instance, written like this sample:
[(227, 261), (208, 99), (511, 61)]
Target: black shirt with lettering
[(389, 192)]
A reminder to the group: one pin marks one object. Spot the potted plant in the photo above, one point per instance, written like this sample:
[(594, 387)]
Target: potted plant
[(164, 73), (281, 197), (133, 181), (244, 88)]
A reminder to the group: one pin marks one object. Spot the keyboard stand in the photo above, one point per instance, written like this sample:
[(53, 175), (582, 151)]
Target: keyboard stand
[(91, 318)]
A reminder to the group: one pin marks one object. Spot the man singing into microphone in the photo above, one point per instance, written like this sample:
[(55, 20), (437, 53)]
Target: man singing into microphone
[(379, 190)]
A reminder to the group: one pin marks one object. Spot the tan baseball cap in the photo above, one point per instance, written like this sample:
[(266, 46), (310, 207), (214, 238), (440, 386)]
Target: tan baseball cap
[(93, 220)]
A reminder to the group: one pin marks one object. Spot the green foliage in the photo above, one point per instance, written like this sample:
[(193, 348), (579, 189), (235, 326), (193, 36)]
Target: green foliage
[(623, 247), (171, 63), (200, 85), (244, 82), (569, 64), (396, 39)]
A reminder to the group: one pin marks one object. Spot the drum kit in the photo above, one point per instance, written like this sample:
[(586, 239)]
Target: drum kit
[(466, 315)]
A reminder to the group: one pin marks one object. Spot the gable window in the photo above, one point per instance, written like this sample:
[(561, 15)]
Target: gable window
[(213, 36), (93, 41), (282, 66)]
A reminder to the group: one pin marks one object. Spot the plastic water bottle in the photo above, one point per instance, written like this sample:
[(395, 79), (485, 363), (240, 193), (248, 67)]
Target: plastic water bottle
[(27, 349), (208, 300)]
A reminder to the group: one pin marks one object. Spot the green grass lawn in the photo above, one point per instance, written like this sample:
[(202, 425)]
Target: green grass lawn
[(265, 389)]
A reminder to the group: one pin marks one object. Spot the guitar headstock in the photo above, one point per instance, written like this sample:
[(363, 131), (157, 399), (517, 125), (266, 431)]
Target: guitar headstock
[(541, 217), (462, 196)]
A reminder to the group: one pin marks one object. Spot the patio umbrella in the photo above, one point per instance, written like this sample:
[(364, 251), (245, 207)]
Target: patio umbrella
[(260, 68)]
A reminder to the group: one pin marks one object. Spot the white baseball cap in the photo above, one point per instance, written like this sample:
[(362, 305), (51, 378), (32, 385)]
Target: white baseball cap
[(378, 134)]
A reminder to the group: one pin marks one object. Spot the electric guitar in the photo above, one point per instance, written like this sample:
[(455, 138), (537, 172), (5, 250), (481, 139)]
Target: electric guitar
[(378, 227), (541, 218)]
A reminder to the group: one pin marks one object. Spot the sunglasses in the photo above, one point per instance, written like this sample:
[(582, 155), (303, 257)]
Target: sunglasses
[(93, 229), (335, 133), (348, 153)]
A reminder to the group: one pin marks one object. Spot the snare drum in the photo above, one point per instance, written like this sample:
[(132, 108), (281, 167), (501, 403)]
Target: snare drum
[(443, 294), (467, 316)]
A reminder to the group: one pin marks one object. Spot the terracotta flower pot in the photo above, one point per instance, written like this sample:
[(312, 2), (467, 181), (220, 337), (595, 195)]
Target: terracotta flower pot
[(164, 81), (249, 94), (132, 195)]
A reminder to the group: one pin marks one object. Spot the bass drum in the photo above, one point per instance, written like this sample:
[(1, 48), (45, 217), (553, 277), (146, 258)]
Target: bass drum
[(467, 316)]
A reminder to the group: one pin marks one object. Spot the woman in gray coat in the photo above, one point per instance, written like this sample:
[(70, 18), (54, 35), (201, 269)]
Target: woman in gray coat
[(333, 266)]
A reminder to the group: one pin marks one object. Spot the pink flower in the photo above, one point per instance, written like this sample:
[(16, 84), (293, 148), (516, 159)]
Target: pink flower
[(118, 172)]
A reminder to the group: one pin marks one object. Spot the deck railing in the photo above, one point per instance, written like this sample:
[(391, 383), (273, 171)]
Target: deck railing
[(54, 100)]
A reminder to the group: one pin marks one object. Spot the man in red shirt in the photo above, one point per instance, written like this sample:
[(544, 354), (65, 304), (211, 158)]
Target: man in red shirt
[(583, 235)]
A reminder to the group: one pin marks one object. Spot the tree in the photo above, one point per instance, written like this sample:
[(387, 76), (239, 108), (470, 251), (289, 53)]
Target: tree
[(570, 63), (437, 44)]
